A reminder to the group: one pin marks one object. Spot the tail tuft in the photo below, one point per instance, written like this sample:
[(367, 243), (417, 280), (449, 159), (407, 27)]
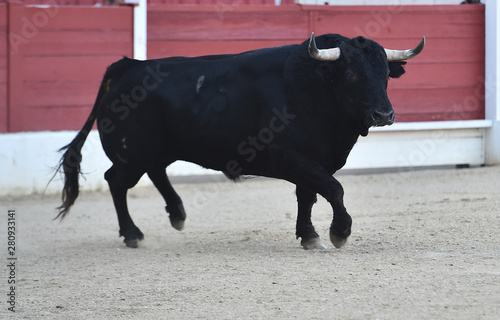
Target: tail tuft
[(69, 166)]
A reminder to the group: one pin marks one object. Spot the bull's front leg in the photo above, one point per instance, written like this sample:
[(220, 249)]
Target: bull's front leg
[(340, 229), (312, 176)]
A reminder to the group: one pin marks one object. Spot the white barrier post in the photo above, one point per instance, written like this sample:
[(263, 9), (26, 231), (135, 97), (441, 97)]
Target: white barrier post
[(140, 28), (492, 74)]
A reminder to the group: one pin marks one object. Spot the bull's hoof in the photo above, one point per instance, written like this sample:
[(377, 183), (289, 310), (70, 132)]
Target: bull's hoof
[(132, 237), (312, 243), (177, 224), (131, 243), (177, 216), (337, 241)]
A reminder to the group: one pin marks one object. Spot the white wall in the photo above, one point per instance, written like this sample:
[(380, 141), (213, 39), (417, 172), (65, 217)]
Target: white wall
[(27, 159)]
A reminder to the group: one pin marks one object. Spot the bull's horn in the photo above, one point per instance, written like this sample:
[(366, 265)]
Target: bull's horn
[(323, 54), (398, 55)]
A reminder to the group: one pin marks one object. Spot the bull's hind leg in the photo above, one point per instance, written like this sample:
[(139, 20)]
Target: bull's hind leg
[(305, 229), (174, 205), (121, 179)]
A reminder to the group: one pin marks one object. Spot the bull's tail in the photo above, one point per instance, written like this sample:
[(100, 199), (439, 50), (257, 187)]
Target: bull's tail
[(69, 164)]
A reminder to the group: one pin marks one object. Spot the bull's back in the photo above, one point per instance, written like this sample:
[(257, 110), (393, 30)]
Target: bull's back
[(195, 109)]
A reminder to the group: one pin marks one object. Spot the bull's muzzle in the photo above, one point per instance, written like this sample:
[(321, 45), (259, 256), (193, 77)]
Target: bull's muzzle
[(383, 118)]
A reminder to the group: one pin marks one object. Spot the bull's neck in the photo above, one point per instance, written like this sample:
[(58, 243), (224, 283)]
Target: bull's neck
[(334, 135)]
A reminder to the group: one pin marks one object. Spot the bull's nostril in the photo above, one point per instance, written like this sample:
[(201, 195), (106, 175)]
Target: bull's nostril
[(381, 118), (377, 116), (392, 117)]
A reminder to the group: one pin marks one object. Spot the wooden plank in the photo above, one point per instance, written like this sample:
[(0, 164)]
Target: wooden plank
[(467, 99), (439, 75), (170, 2), (377, 22), (227, 25), (56, 118), (74, 37), (162, 49), (64, 2), (66, 68), (81, 42), (3, 108), (61, 94), (85, 2), (88, 49), (15, 94), (439, 116), (4, 41), (3, 15), (3, 60), (3, 68), (81, 18), (237, 5), (260, 2), (434, 98), (3, 33), (409, 23)]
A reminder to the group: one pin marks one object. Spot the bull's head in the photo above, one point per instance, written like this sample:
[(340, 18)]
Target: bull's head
[(361, 72)]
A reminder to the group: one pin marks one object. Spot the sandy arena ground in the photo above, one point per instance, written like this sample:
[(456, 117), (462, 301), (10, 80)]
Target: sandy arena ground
[(425, 245)]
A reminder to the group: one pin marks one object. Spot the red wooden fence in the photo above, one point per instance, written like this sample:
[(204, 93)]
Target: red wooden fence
[(56, 58), (50, 72)]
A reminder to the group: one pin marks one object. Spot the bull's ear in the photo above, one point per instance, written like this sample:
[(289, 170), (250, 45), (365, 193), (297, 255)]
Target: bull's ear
[(396, 69)]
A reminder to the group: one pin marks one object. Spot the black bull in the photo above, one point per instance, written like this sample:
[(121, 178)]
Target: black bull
[(291, 113)]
